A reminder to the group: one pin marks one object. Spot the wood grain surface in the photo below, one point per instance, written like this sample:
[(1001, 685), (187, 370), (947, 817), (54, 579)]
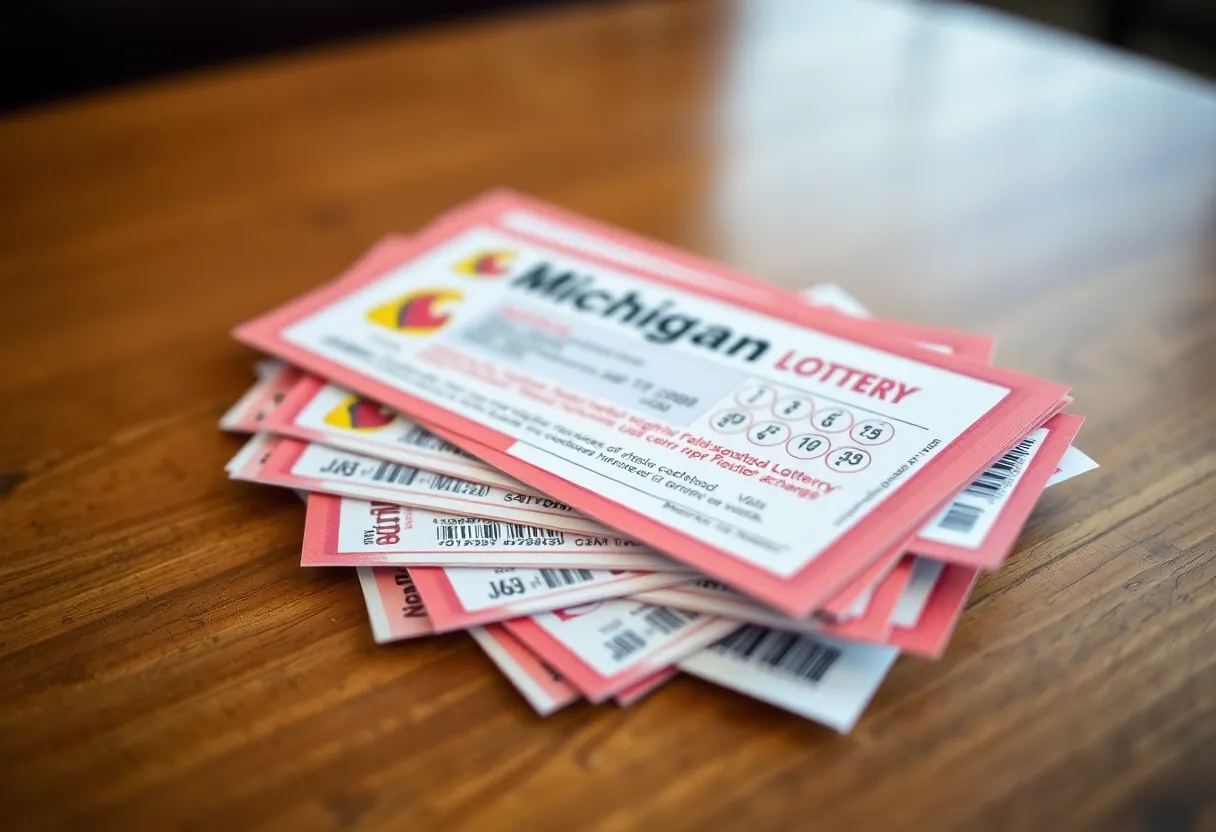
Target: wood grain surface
[(164, 662)]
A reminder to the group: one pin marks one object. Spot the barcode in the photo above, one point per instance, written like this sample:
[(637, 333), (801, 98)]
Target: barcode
[(497, 531), (455, 486), (961, 517), (667, 620), (557, 578), (797, 655), (624, 643), (470, 531), (993, 480), (395, 473), (423, 438), (518, 531), (990, 486)]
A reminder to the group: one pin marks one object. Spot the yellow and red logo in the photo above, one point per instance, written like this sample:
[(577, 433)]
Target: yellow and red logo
[(486, 264), (358, 413), (417, 313)]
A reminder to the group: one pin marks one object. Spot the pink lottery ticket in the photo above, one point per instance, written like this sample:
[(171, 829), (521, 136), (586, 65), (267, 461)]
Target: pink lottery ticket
[(483, 351), (314, 411), (290, 463), (393, 604), (844, 602), (458, 597), (544, 689), (632, 694), (930, 635), (275, 380), (714, 598), (980, 526), (606, 647), (345, 531)]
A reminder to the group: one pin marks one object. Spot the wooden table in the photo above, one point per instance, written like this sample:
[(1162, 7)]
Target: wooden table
[(164, 663)]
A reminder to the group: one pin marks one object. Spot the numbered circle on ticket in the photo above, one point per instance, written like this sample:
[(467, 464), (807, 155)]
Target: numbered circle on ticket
[(833, 420), (769, 433), (791, 408), (756, 395), (872, 432), (730, 421), (808, 446), (848, 460)]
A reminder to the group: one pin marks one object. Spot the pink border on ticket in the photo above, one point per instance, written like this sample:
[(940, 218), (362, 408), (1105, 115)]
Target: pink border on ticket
[(874, 624), (257, 406), (1001, 538), (447, 613), (587, 680), (941, 614), (275, 469), (868, 578), (1025, 405), (391, 624), (529, 664), (631, 695), (963, 344), (321, 519), (282, 421)]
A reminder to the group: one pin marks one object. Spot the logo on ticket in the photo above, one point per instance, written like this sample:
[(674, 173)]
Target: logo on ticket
[(486, 264), (358, 413), (418, 313)]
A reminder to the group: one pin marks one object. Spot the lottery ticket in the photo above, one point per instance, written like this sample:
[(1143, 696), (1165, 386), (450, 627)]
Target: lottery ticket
[(290, 463), (632, 694), (315, 411), (931, 633), (715, 598), (907, 612), (544, 689), (824, 679), (606, 647), (861, 586), (458, 597), (274, 380), (345, 531), (748, 437), (981, 524), (393, 605)]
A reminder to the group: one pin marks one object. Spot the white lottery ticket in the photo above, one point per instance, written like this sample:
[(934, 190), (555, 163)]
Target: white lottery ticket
[(823, 679)]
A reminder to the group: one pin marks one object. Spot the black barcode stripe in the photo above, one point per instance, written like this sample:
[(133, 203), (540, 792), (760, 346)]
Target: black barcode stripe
[(795, 654), (423, 438), (624, 643), (557, 578), (469, 531), (963, 516), (495, 530), (667, 620), (458, 486), (395, 473), (518, 531)]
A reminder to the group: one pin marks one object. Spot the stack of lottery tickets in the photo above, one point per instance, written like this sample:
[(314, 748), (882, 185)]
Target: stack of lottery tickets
[(611, 461)]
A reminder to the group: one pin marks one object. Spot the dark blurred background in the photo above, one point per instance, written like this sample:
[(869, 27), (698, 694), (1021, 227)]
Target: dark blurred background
[(61, 48)]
